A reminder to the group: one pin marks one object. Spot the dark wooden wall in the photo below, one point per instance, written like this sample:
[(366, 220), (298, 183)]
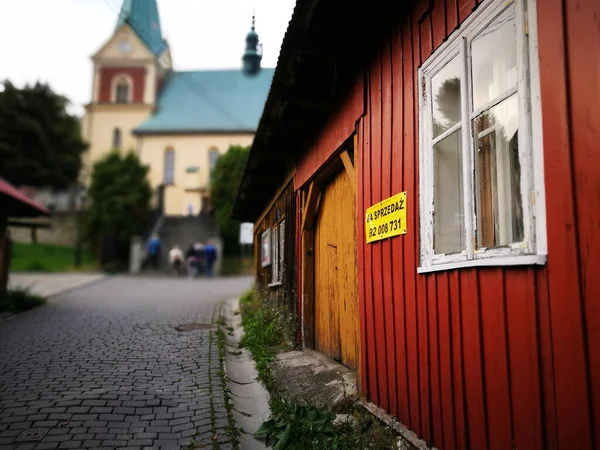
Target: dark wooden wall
[(286, 292), (339, 128), (490, 358)]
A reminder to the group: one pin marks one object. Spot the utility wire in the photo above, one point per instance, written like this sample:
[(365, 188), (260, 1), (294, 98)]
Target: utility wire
[(194, 86)]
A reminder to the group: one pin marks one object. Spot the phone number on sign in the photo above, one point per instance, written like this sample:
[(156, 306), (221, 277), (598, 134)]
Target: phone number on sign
[(384, 228)]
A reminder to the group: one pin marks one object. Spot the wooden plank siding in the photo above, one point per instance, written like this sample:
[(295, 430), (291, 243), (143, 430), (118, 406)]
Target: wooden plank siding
[(286, 291), (336, 301), (476, 349), (481, 358)]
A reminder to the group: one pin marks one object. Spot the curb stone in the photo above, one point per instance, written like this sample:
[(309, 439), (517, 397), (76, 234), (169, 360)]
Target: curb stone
[(249, 397)]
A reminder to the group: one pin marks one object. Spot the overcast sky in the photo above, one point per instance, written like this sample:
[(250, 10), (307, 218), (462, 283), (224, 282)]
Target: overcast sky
[(52, 40)]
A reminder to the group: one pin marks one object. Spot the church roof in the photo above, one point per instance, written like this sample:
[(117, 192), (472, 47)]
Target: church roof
[(209, 101), (142, 16)]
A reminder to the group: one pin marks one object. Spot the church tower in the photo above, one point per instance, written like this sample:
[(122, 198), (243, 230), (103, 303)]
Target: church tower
[(129, 70), (253, 53)]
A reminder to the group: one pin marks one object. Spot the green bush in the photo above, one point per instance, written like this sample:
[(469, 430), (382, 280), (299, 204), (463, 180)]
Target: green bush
[(119, 202), (226, 178), (17, 300)]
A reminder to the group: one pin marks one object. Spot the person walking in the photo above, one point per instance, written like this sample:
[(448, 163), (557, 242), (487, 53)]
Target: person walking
[(199, 249), (154, 251), (176, 260), (210, 256), (191, 260)]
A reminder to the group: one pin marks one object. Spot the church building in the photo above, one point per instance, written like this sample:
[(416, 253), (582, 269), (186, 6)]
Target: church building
[(178, 122)]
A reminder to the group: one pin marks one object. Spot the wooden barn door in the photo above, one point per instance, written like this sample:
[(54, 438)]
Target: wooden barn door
[(337, 331)]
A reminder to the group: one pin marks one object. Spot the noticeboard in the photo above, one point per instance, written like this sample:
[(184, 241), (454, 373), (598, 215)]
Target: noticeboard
[(246, 233), (386, 218)]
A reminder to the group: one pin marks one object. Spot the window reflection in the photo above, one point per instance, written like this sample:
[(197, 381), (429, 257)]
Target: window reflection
[(494, 60), (445, 90)]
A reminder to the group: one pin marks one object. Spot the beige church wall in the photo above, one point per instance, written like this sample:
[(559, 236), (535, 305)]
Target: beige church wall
[(111, 49), (190, 151), (103, 120)]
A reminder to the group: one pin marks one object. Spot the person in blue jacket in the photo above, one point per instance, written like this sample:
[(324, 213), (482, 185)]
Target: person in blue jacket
[(210, 256), (154, 251)]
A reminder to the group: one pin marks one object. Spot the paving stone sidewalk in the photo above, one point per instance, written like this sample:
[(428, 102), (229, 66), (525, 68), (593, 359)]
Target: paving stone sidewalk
[(49, 284), (105, 367)]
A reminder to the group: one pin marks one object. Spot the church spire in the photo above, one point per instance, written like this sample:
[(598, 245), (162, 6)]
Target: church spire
[(143, 17), (253, 53)]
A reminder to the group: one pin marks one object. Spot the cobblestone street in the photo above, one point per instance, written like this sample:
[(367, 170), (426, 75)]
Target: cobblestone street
[(105, 367)]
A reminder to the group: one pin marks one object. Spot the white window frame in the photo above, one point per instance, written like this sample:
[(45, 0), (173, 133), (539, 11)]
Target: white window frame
[(533, 249), (275, 256), (265, 244), (281, 249)]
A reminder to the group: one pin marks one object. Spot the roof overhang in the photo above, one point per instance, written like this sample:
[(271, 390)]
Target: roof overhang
[(191, 131), (14, 203), (327, 45)]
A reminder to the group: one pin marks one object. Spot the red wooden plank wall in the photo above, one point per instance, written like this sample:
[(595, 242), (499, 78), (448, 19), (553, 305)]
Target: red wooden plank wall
[(339, 128), (495, 358)]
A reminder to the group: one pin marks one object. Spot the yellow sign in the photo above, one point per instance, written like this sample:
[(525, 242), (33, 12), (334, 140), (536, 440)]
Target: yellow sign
[(386, 218)]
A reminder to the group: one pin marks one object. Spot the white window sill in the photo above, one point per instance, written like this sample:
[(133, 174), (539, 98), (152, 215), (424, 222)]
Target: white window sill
[(274, 284), (524, 260)]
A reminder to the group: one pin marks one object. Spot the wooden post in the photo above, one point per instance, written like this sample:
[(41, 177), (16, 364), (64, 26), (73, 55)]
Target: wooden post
[(310, 210), (4, 257), (308, 289), (349, 167)]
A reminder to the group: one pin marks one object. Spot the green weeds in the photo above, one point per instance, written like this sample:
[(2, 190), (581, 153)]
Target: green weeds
[(17, 300), (294, 425)]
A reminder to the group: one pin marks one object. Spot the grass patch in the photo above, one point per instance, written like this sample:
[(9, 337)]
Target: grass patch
[(294, 425), (48, 258), (17, 300), (268, 331), (236, 265)]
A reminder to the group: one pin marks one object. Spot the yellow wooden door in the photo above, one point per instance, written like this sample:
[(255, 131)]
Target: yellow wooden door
[(336, 293)]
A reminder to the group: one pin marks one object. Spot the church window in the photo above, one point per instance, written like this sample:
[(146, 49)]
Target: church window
[(123, 90), (169, 166), (116, 139), (213, 157)]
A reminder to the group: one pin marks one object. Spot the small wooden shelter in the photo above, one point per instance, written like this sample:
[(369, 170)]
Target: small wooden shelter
[(13, 204)]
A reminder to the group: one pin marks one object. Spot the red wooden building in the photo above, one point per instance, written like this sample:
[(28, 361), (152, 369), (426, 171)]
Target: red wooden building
[(476, 327)]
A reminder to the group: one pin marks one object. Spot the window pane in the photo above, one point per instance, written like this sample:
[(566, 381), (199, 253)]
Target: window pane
[(445, 92), (116, 140), (494, 59), (499, 207), (122, 93), (449, 231), (169, 167)]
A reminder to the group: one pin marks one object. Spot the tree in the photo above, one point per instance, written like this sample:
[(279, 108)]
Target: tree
[(40, 143), (119, 202), (226, 177)]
